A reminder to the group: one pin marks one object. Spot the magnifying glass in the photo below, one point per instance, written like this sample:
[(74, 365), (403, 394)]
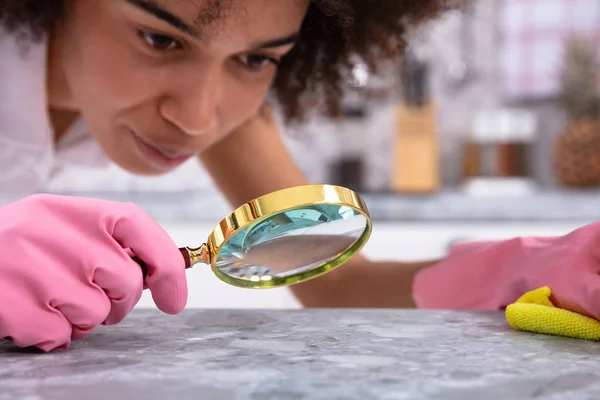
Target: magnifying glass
[(285, 237)]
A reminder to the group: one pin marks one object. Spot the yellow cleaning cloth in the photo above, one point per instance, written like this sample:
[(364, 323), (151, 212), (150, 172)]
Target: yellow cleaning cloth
[(534, 312)]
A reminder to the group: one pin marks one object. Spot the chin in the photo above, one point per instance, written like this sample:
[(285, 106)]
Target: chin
[(141, 170)]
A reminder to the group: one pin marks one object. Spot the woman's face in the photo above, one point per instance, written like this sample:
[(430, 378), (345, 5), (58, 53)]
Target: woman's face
[(159, 81)]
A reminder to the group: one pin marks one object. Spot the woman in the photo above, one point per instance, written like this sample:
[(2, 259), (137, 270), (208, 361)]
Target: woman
[(153, 84)]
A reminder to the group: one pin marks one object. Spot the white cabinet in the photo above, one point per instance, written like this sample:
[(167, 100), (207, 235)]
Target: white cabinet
[(399, 241)]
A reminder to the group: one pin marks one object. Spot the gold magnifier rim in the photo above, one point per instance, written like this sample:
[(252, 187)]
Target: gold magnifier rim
[(278, 202)]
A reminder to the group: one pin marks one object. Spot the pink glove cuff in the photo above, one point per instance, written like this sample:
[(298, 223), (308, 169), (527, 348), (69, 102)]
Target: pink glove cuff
[(476, 275)]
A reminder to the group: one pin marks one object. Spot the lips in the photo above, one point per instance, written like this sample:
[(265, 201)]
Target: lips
[(161, 156), (168, 153)]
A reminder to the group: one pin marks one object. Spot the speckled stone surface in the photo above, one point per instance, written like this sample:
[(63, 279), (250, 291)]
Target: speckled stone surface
[(307, 354)]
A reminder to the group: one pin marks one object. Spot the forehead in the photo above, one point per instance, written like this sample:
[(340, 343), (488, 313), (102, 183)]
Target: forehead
[(257, 18)]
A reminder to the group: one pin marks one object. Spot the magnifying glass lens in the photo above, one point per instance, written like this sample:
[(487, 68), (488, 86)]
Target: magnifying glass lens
[(291, 242)]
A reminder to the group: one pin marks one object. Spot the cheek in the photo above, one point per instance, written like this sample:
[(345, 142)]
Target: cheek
[(103, 73), (241, 101)]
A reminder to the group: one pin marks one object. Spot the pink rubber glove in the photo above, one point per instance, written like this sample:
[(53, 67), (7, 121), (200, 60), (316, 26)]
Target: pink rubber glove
[(492, 275), (66, 268)]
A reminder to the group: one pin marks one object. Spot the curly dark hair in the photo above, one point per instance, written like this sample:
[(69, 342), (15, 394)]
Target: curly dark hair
[(316, 70)]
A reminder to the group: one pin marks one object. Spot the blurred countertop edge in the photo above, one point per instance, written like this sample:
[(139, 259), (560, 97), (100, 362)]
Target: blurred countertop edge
[(444, 206)]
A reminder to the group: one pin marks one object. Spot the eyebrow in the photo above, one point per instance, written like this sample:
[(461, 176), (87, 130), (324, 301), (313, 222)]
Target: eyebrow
[(151, 7), (284, 41)]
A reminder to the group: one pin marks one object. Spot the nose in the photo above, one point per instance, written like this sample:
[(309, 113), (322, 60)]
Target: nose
[(193, 107)]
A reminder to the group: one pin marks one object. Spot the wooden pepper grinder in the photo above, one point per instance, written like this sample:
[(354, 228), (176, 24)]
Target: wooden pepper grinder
[(415, 150)]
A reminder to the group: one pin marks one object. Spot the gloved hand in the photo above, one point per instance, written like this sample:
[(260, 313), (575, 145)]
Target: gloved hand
[(66, 268), (492, 275)]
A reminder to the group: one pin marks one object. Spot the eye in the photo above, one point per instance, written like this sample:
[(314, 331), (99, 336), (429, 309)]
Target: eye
[(255, 61), (159, 42)]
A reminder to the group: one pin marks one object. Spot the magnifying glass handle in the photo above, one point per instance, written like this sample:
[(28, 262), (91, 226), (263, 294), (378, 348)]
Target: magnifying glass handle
[(142, 264)]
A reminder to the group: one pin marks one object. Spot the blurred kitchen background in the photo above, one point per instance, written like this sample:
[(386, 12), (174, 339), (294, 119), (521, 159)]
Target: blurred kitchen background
[(488, 128)]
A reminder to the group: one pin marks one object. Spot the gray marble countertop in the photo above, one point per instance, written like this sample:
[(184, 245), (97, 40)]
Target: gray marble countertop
[(307, 354)]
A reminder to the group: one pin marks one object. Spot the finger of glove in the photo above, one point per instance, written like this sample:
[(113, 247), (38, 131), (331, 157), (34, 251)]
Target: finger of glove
[(166, 276), (121, 281), (578, 292), (85, 305), (27, 324)]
